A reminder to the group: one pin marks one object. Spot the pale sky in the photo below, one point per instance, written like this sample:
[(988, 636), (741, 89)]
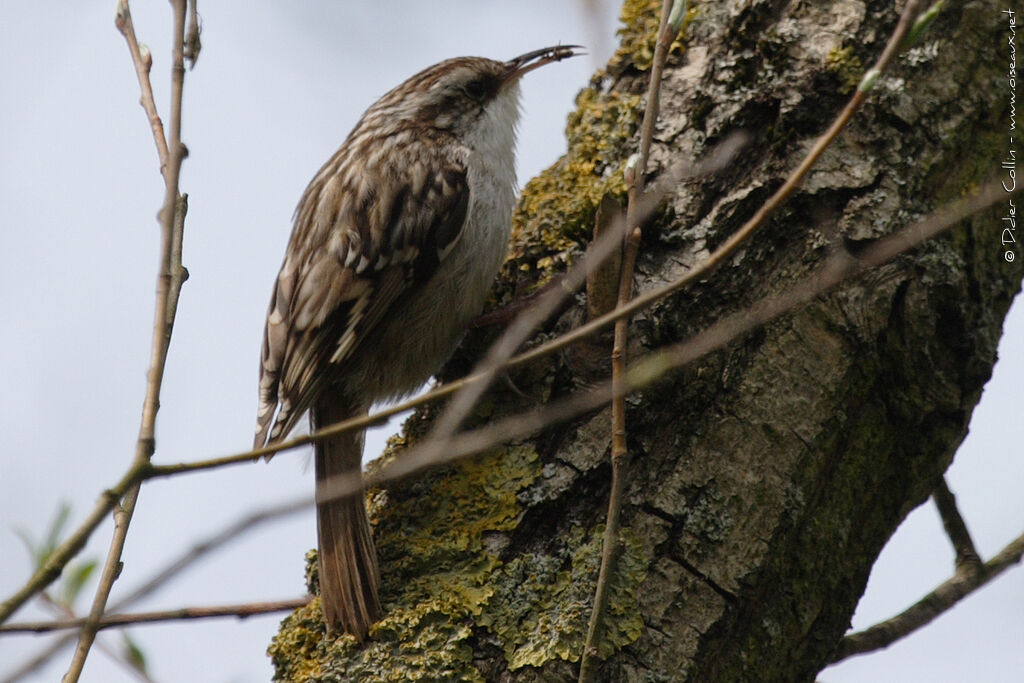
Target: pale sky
[(276, 89)]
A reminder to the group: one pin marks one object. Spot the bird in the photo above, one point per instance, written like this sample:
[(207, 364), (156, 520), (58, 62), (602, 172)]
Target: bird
[(394, 246)]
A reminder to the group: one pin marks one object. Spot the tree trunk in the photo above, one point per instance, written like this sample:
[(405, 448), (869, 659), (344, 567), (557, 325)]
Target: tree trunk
[(765, 478)]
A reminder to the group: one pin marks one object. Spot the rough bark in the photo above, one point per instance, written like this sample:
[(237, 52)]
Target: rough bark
[(767, 477)]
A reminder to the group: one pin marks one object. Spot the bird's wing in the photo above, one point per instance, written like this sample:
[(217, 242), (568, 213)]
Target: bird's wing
[(357, 245)]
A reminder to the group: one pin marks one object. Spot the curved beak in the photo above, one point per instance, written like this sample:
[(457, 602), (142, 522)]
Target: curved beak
[(518, 66)]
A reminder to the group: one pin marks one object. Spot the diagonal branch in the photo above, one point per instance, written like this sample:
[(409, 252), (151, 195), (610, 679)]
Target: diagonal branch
[(965, 581), (143, 61), (50, 570)]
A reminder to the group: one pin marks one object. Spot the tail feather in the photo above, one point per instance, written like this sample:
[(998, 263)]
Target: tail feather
[(349, 579)]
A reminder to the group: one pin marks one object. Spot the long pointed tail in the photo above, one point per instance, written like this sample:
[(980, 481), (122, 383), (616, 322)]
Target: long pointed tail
[(349, 578)]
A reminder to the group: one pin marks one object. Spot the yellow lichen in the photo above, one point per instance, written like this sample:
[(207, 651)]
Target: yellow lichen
[(846, 66), (638, 34), (440, 579), (542, 602), (436, 575), (294, 650), (556, 210)]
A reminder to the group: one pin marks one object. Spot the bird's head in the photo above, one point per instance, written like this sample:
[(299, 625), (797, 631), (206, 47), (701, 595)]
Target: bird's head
[(458, 95)]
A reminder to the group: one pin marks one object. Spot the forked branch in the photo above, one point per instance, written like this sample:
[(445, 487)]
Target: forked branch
[(171, 276)]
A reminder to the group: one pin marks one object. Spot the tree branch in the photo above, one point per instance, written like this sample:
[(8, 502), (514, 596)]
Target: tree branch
[(956, 528), (171, 570), (143, 61), (635, 173), (170, 278), (967, 579), (182, 613)]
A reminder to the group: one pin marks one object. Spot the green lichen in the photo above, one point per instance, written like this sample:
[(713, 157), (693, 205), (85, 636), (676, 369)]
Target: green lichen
[(441, 581), (556, 209), (638, 34), (436, 575), (297, 649), (440, 521), (846, 66), (542, 602)]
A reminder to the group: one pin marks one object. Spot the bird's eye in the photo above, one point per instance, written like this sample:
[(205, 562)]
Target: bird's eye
[(475, 89)]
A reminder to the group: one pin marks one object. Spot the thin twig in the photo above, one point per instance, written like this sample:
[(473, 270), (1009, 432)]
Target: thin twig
[(966, 555), (143, 62), (619, 450), (171, 570), (940, 600), (169, 281), (120, 658), (241, 611)]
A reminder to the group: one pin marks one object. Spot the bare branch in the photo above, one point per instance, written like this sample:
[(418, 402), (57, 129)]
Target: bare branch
[(170, 278), (940, 600), (182, 613), (635, 173), (143, 61), (956, 528), (171, 570)]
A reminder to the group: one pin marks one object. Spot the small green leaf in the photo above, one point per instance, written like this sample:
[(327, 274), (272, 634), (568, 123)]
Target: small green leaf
[(869, 80), (56, 530), (40, 552), (75, 577), (923, 22), (33, 552), (678, 14), (133, 654)]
